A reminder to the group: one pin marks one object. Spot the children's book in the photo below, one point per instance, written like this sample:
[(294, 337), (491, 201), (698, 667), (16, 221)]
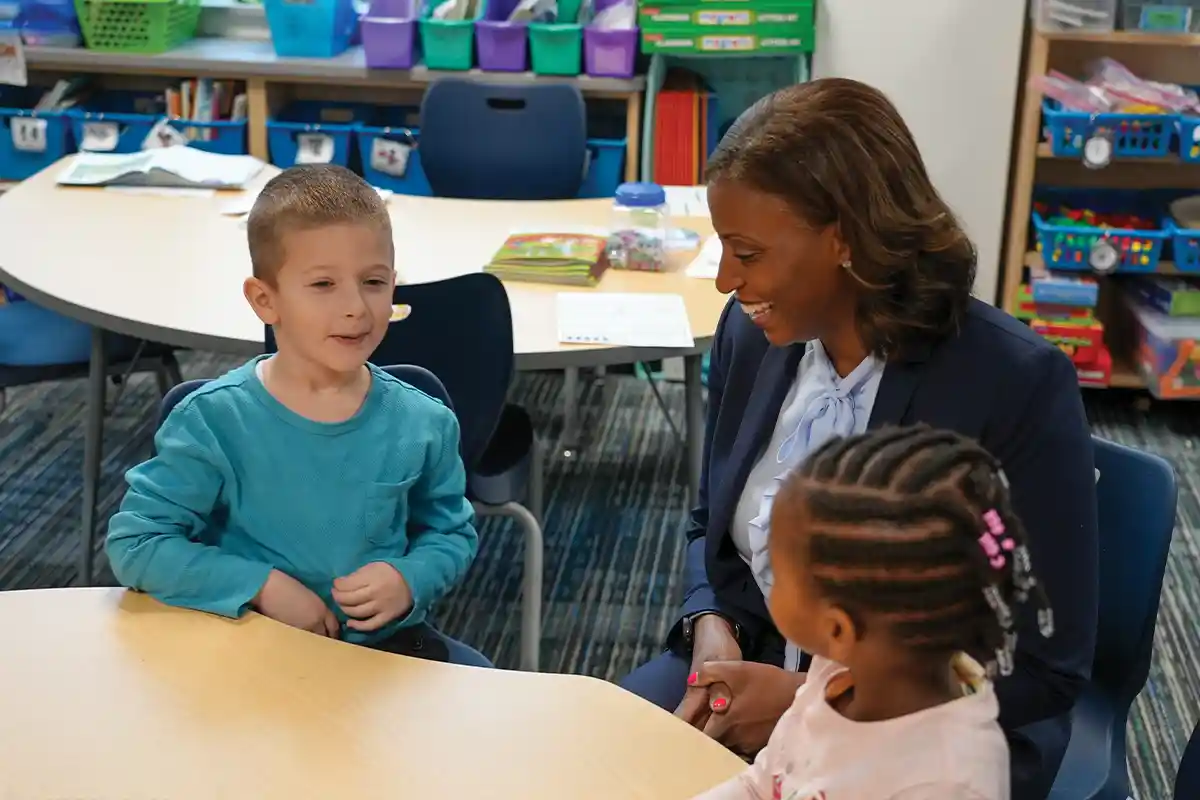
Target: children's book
[(571, 259), (177, 167)]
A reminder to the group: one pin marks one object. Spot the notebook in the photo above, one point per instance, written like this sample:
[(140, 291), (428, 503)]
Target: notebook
[(570, 259)]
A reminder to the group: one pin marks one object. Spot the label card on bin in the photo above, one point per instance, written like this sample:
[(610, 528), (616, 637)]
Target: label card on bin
[(389, 157), (163, 135), (314, 148), (29, 134), (12, 59), (100, 137)]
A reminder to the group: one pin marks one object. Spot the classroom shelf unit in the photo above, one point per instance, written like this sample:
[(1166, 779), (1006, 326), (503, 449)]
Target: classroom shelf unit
[(255, 62), (1173, 58)]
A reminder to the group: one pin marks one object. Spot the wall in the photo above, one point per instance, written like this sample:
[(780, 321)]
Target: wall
[(952, 68)]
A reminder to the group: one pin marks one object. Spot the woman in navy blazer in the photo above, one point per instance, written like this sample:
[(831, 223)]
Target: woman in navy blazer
[(852, 308)]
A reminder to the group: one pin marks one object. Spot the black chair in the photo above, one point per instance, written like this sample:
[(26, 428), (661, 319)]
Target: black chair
[(491, 141), (1187, 782), (460, 330), (1136, 494)]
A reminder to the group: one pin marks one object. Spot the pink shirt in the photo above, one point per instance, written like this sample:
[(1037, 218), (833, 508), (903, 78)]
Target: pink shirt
[(955, 751)]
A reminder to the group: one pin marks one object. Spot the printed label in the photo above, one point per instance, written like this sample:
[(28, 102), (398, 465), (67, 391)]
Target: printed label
[(724, 18), (100, 137), (314, 148), (389, 157), (727, 43), (29, 134)]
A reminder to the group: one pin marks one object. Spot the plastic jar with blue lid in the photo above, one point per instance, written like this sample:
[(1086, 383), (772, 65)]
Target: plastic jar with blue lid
[(639, 227)]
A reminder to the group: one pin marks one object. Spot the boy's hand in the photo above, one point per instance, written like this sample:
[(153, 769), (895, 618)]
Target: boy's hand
[(285, 599), (373, 596)]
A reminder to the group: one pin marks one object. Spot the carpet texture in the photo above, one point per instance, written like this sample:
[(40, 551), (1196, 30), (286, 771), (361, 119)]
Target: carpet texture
[(614, 519)]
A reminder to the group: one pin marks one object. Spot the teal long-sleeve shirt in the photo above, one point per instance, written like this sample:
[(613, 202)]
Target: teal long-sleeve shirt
[(241, 485)]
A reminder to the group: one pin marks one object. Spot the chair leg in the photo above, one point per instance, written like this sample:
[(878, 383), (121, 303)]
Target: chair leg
[(531, 581), (537, 481), (171, 364), (93, 449), (3, 401)]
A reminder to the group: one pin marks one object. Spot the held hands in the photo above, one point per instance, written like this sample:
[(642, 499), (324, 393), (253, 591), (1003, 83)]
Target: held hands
[(285, 599), (714, 641), (746, 700), (373, 596)]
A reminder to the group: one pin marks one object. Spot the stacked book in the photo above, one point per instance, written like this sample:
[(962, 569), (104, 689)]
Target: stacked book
[(566, 259), (1063, 310)]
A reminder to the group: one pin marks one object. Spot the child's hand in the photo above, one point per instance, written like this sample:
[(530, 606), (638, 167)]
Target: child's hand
[(373, 596), (285, 599)]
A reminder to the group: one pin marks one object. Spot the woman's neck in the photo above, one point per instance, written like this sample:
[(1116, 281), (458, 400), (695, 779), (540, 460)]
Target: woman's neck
[(845, 349)]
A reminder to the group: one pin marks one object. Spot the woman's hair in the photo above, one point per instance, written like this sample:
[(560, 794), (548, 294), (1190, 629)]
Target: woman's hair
[(914, 526), (838, 152)]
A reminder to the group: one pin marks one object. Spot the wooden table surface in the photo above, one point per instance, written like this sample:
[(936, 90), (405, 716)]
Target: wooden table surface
[(109, 695)]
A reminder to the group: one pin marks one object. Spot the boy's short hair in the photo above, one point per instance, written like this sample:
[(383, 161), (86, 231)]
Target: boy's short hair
[(306, 197)]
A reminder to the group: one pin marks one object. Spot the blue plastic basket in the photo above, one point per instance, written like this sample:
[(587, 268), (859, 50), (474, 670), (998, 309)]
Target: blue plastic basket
[(311, 28), (1189, 139), (134, 114), (34, 336), (339, 121), (1185, 244), (397, 124), (20, 159), (226, 137), (1068, 247), (1134, 135), (606, 163)]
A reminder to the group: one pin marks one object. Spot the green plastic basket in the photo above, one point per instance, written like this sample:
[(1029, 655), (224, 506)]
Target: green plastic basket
[(447, 44), (137, 26), (556, 48)]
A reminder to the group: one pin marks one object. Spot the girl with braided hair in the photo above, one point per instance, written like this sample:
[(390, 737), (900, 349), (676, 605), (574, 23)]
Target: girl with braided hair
[(901, 567)]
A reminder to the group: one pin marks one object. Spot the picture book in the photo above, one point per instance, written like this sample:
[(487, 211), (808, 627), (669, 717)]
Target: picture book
[(573, 259)]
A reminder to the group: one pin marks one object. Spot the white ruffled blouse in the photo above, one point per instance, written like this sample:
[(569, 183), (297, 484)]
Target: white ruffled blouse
[(821, 405)]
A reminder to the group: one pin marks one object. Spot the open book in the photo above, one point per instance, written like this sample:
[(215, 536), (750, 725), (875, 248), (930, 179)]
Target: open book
[(176, 167)]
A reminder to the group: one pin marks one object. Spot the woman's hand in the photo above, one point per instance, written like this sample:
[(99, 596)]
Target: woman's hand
[(746, 700), (713, 641)]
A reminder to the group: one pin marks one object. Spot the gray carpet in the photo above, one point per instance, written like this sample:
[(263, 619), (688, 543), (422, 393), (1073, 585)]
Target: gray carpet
[(613, 545)]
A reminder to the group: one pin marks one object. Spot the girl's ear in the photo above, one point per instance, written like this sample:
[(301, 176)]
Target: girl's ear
[(841, 632)]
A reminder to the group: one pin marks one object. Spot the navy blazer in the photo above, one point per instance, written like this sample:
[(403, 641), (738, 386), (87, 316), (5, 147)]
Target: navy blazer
[(995, 381)]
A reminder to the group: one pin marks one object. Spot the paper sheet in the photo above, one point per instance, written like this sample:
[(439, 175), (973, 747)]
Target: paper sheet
[(165, 167), (705, 264), (623, 320), (687, 201)]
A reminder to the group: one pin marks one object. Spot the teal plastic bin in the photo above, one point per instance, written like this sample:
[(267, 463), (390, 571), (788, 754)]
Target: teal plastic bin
[(556, 48), (448, 45)]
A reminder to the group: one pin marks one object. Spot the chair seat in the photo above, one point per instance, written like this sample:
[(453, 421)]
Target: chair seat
[(1097, 744), (503, 472)]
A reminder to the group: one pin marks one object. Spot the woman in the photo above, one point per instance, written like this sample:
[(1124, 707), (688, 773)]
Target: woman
[(852, 308)]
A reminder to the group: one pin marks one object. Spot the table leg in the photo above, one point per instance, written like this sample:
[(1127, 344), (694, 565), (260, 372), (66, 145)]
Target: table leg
[(694, 423), (93, 447), (570, 393)]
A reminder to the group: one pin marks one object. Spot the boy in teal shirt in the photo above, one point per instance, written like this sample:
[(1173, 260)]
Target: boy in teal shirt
[(309, 485)]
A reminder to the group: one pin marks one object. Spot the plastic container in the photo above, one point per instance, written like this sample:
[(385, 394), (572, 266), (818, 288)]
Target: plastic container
[(1074, 15), (34, 336), (1188, 128), (227, 137), (606, 163), (116, 122), (389, 34), (311, 28), (1185, 246), (1133, 135), (30, 141), (1168, 351), (137, 26), (638, 240), (390, 156), (314, 132), (1077, 247), (447, 45), (49, 23), (502, 45), (555, 48), (1161, 16), (610, 53)]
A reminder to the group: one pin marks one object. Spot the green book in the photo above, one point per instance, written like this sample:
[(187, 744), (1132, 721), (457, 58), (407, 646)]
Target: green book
[(571, 259)]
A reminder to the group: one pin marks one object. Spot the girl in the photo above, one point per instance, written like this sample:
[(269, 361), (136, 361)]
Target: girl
[(899, 566)]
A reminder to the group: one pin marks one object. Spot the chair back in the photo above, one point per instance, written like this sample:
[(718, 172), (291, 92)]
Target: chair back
[(460, 329), (1136, 496), (493, 141)]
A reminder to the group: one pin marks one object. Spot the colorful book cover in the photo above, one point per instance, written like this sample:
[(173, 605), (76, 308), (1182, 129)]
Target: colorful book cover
[(565, 258)]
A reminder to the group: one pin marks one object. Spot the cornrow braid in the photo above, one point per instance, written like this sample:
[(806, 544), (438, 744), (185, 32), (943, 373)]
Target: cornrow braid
[(914, 526)]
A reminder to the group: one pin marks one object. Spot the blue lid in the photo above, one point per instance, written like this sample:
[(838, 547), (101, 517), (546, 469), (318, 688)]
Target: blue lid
[(640, 195)]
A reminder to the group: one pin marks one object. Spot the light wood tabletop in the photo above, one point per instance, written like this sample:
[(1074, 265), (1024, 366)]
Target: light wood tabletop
[(109, 695), (170, 268)]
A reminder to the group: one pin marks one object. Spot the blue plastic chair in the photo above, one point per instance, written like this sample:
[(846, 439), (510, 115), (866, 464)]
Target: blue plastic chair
[(491, 141), (1187, 782), (460, 330), (1136, 493)]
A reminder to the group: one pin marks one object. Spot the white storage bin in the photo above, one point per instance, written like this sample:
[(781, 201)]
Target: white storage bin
[(1075, 15)]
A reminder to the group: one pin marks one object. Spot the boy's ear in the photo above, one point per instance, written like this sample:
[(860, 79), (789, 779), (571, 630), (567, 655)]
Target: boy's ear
[(261, 298)]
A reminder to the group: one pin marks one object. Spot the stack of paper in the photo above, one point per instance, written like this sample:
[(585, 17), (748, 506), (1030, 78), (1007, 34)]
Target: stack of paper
[(706, 262), (624, 320), (687, 201), (573, 259), (168, 167)]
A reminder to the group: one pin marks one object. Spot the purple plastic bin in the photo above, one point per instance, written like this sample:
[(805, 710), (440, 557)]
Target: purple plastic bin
[(611, 53), (389, 42), (396, 9), (503, 45)]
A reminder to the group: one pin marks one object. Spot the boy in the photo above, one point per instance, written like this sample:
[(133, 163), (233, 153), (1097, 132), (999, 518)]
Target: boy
[(308, 485)]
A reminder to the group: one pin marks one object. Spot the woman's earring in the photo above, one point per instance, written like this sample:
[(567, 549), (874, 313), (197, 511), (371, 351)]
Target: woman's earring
[(846, 264)]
